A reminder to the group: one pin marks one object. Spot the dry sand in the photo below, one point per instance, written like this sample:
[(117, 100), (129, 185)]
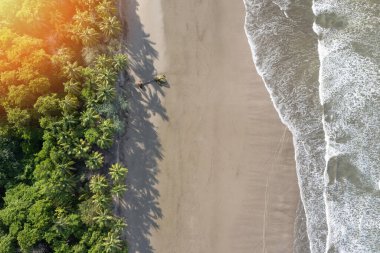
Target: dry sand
[(211, 166)]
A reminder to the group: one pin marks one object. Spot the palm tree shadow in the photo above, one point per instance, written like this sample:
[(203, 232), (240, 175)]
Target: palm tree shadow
[(140, 148)]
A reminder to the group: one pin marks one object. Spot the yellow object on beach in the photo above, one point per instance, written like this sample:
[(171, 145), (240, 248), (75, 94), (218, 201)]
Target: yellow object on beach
[(160, 79)]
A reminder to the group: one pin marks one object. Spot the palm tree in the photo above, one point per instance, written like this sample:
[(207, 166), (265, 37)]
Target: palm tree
[(72, 87), (72, 70), (105, 93), (67, 167), (81, 149), (118, 172), (103, 218), (69, 121), (110, 27), (89, 37), (105, 141), (65, 138), (106, 76), (119, 224), (102, 62), (107, 126), (100, 202), (120, 61), (82, 19), (89, 117), (95, 161), (106, 8), (62, 56), (69, 103), (98, 184), (57, 156), (112, 242), (118, 190)]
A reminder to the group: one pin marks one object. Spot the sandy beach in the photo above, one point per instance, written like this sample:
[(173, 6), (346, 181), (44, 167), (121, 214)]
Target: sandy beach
[(210, 164)]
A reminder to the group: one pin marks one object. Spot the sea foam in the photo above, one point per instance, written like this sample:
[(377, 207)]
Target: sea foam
[(349, 49), (334, 115), (285, 53)]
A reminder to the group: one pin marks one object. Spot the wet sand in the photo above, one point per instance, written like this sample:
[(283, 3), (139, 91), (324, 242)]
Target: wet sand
[(210, 165)]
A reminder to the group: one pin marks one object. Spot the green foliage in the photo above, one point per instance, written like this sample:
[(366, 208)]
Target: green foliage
[(18, 201), (112, 243), (27, 238), (89, 117), (62, 57), (118, 175), (18, 118), (24, 64), (98, 185), (110, 26), (91, 135), (95, 161), (10, 166), (58, 116), (7, 244), (48, 105)]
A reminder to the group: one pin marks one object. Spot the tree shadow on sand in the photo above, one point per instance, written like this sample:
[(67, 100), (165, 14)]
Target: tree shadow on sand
[(140, 148)]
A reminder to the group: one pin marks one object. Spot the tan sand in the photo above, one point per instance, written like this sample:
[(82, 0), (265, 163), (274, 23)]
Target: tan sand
[(211, 165)]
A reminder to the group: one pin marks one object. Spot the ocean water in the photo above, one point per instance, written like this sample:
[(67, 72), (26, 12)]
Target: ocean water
[(284, 48), (349, 52), (320, 61)]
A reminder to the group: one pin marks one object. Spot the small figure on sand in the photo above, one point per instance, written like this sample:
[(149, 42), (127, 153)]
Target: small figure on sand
[(160, 79)]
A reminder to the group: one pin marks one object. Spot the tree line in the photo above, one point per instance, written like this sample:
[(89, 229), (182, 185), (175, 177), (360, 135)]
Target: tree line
[(59, 114)]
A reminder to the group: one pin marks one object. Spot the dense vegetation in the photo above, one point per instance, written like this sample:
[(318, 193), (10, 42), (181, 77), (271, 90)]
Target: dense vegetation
[(59, 114)]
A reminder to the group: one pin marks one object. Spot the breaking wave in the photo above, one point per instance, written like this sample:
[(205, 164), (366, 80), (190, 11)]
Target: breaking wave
[(320, 63)]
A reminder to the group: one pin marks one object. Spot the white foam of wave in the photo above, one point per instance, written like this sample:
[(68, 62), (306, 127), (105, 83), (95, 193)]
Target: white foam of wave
[(349, 50), (284, 49)]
